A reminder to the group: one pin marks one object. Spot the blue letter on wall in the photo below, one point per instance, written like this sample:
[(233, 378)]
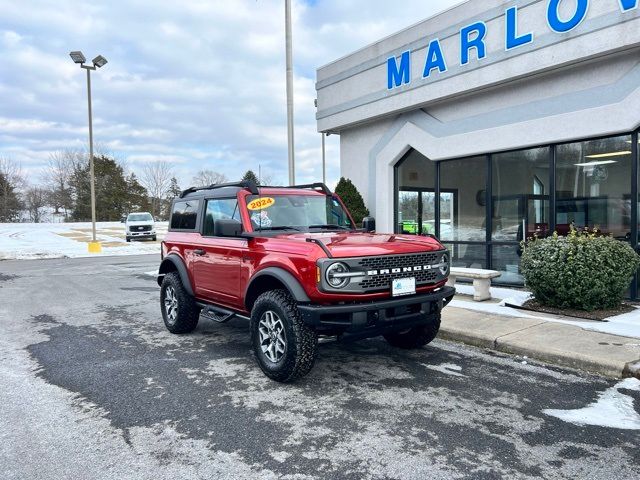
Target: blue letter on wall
[(561, 26), (467, 43), (512, 39), (398, 75), (435, 59), (626, 5)]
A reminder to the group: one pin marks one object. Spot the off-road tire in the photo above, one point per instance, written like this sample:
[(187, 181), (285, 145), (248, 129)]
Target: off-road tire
[(415, 337), (154, 238), (187, 313), (128, 239), (301, 341)]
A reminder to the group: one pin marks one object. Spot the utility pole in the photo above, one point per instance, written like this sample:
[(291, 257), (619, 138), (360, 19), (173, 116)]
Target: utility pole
[(289, 48)]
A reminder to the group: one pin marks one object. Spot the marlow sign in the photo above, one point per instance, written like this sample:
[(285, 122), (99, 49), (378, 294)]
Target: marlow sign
[(472, 38)]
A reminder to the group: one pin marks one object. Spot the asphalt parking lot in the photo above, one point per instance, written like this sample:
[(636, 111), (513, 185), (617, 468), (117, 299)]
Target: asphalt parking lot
[(93, 386)]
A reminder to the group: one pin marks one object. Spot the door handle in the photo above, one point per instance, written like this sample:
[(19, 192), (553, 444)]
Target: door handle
[(200, 252)]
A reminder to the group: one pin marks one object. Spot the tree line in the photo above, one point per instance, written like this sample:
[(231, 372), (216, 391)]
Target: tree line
[(64, 188)]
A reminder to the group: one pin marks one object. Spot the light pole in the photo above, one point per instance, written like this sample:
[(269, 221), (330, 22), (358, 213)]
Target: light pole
[(98, 62), (289, 48), (324, 160)]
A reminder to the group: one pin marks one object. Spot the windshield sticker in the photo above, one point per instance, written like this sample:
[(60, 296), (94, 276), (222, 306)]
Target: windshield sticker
[(261, 203)]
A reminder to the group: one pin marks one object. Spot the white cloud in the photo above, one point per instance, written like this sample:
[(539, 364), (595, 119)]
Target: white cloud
[(198, 82)]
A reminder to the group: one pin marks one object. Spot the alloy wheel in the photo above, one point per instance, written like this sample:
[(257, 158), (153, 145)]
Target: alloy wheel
[(171, 304), (272, 337)]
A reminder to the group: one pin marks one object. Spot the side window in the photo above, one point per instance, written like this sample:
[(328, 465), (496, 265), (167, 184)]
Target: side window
[(184, 215), (220, 209)]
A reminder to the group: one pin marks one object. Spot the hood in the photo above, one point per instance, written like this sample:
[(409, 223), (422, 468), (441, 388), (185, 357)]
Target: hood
[(360, 244)]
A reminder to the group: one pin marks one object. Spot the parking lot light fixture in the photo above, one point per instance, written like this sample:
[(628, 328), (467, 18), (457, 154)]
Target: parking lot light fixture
[(77, 57), (98, 62)]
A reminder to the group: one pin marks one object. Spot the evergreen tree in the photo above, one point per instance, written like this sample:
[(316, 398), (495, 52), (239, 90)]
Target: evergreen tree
[(250, 176), (9, 202), (352, 199), (137, 199), (116, 194), (174, 191)]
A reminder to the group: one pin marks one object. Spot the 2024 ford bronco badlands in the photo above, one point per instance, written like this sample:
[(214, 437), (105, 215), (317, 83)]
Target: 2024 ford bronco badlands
[(292, 261)]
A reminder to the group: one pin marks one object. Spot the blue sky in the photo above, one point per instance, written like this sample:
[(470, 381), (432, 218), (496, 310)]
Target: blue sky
[(199, 83)]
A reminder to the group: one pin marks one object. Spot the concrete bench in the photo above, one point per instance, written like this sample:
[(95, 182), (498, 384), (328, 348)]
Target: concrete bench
[(481, 280)]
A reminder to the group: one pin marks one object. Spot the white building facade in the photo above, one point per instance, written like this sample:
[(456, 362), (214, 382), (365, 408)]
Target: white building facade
[(494, 121)]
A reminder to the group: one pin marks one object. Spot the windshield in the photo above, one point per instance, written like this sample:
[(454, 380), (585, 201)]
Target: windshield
[(297, 212), (140, 217)]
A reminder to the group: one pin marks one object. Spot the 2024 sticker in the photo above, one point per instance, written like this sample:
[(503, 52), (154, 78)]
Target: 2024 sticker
[(261, 203)]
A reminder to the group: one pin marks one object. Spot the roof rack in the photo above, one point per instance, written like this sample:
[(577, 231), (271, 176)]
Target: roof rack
[(251, 186), (314, 186)]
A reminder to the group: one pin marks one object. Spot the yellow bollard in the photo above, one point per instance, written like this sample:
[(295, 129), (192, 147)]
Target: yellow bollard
[(95, 247)]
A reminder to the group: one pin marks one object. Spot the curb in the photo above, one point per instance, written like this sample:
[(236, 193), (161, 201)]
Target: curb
[(575, 360)]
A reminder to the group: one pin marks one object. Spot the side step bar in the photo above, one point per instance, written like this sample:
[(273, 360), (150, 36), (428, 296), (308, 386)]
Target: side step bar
[(218, 314)]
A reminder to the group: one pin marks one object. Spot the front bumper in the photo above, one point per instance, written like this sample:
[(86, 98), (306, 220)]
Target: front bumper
[(375, 318), (141, 234)]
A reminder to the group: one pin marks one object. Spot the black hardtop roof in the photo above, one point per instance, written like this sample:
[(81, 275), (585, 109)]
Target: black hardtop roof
[(226, 189)]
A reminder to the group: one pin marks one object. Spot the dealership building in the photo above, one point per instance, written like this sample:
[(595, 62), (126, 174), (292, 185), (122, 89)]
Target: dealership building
[(494, 121)]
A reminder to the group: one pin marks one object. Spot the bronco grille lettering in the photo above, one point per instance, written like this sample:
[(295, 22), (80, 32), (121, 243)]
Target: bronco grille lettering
[(386, 271)]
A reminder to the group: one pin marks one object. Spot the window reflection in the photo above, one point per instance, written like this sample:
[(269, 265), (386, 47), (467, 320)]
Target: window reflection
[(520, 184), (467, 255), (416, 195), (463, 199), (592, 186)]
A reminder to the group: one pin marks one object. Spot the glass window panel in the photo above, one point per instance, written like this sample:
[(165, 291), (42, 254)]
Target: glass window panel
[(184, 215), (593, 187), (467, 256), (463, 199), (520, 186), (506, 260), (220, 209), (416, 194)]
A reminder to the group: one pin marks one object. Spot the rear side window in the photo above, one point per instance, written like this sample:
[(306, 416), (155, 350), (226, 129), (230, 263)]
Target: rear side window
[(184, 215)]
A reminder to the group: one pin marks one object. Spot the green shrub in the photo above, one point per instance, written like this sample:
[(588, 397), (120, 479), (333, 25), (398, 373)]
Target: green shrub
[(583, 270), (352, 200)]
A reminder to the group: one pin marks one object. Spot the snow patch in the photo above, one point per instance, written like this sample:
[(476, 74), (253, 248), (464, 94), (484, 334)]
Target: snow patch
[(20, 241), (446, 368), (613, 409)]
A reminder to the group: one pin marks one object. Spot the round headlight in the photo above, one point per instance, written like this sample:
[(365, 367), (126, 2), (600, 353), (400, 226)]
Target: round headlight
[(334, 279), (444, 264)]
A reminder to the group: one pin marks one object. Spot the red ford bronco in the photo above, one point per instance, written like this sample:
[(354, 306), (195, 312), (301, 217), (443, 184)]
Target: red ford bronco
[(291, 261)]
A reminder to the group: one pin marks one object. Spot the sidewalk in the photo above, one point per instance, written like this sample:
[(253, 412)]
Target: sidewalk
[(542, 339)]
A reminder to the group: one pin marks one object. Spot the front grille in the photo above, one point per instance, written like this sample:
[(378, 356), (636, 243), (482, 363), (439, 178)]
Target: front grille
[(379, 271), (397, 261), (384, 281), (140, 228)]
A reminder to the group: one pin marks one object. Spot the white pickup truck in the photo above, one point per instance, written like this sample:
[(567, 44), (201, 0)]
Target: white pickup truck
[(140, 225)]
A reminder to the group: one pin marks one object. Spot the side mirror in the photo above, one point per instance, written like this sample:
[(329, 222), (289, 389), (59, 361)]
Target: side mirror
[(369, 224), (227, 228)]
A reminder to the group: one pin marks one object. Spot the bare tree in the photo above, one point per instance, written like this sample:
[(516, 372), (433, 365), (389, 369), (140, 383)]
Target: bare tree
[(204, 178), (35, 200), (11, 180), (57, 177), (156, 178)]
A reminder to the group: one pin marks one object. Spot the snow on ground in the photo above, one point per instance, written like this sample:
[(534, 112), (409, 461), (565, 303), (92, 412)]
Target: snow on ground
[(626, 325), (613, 409), (57, 240)]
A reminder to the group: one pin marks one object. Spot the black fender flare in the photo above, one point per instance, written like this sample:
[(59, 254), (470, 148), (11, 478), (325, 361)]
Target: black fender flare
[(181, 268), (290, 282)]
